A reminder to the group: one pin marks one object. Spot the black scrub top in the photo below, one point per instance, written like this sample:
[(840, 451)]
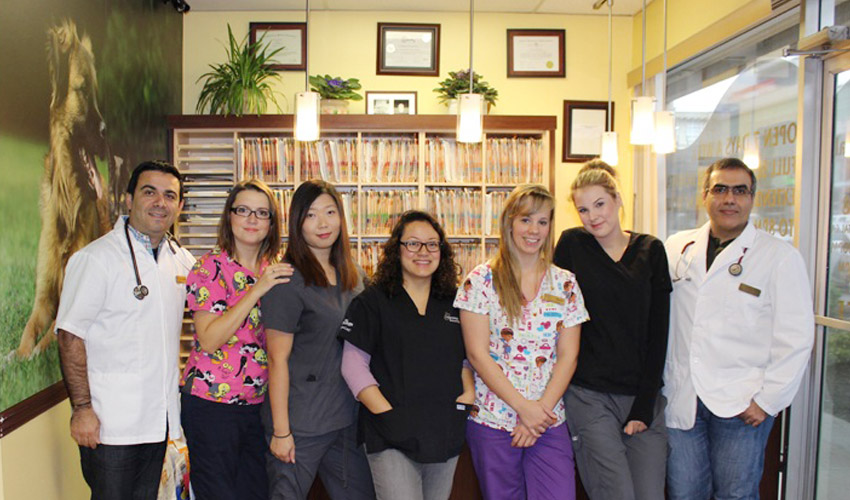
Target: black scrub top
[(417, 362)]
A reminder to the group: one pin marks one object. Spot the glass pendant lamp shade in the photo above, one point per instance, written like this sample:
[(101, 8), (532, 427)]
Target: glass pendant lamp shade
[(609, 149), (307, 116), (643, 121), (470, 117), (665, 133), (751, 154)]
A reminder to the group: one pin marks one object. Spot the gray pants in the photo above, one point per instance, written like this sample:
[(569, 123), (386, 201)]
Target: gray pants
[(396, 476), (335, 456), (613, 465)]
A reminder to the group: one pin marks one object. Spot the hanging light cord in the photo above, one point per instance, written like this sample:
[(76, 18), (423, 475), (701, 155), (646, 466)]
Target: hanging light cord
[(307, 47), (643, 54), (471, 14), (610, 59)]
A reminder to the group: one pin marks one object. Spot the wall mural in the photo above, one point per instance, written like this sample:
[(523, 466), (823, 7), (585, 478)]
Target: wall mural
[(83, 98)]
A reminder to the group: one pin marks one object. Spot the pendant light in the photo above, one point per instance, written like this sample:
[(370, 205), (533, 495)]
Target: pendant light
[(643, 119), (307, 102), (665, 122), (470, 107), (751, 153), (610, 154)]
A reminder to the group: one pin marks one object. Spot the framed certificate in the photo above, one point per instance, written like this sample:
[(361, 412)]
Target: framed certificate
[(291, 37), (584, 122), (536, 53), (408, 49)]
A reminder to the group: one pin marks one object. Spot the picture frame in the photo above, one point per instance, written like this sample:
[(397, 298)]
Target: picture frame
[(408, 49), (391, 103), (291, 37), (584, 122), (537, 53)]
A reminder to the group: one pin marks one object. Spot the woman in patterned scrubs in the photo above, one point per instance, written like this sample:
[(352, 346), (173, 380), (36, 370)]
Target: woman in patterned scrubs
[(521, 318), (225, 377)]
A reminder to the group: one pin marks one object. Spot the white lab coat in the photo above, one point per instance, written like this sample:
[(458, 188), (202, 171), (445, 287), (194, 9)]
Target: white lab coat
[(132, 346), (727, 346)]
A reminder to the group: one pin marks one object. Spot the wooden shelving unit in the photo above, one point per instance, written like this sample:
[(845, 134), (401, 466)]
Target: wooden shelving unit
[(381, 164)]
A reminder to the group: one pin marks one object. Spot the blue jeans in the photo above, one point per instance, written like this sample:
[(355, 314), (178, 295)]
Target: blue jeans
[(129, 472), (720, 458)]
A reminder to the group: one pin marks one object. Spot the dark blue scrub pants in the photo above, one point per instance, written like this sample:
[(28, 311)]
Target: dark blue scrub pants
[(226, 449)]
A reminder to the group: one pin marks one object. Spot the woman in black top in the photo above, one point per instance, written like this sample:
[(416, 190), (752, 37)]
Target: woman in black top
[(615, 410), (403, 359)]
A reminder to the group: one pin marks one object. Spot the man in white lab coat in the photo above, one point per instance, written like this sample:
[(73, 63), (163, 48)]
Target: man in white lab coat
[(118, 325), (741, 333)]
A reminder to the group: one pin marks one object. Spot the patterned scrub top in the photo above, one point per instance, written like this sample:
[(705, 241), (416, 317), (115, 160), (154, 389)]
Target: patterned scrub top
[(236, 373), (525, 351)]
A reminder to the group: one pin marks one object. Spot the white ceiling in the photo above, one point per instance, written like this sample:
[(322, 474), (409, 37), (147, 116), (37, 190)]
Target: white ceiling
[(621, 7)]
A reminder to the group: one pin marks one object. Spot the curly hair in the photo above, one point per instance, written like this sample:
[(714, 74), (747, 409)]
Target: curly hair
[(388, 275)]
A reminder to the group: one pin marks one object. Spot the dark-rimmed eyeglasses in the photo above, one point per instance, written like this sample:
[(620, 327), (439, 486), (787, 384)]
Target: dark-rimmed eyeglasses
[(260, 213), (414, 246), (722, 189)]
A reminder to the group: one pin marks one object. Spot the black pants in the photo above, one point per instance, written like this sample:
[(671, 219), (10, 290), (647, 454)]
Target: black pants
[(226, 449), (123, 471)]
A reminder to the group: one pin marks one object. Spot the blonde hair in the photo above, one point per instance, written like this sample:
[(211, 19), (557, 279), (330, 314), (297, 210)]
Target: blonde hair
[(596, 173), (525, 199)]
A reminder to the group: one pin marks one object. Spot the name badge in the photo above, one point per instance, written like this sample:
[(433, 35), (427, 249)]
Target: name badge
[(181, 280), (755, 292), (548, 297)]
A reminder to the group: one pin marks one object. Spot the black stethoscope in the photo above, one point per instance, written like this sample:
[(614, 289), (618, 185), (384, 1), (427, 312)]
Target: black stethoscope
[(140, 291), (735, 268)]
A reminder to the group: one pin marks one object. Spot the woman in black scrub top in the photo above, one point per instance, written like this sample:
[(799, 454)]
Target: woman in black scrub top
[(614, 408), (403, 359), (309, 413)]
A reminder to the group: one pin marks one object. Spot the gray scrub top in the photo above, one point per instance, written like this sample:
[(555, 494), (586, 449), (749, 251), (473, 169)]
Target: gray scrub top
[(319, 400)]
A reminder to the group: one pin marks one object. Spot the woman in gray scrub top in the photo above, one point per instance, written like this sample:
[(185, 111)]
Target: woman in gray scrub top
[(309, 413)]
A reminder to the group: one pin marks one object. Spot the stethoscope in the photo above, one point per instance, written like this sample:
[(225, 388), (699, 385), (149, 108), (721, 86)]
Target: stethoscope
[(141, 291), (735, 268)]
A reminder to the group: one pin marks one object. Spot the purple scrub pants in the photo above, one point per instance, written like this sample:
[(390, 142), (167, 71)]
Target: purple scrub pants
[(542, 472)]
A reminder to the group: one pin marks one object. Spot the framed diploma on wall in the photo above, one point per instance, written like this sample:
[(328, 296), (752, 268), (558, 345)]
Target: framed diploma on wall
[(289, 37), (584, 122), (536, 53), (408, 49)]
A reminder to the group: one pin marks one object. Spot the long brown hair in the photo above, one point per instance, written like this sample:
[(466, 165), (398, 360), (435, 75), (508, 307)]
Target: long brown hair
[(298, 253), (525, 199), (270, 248)]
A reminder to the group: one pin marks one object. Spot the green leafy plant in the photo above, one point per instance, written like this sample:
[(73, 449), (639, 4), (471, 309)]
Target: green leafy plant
[(336, 88), (458, 83), (242, 83)]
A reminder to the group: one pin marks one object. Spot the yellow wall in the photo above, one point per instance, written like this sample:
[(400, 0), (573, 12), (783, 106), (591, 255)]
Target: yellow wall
[(692, 27), (345, 44), (40, 460)]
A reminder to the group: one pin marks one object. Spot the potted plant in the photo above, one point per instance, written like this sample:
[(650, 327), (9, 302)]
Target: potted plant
[(242, 83), (335, 92), (458, 83)]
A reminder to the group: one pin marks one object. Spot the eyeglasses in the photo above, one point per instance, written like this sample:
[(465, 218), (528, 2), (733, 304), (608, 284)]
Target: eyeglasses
[(414, 246), (722, 189), (260, 213)]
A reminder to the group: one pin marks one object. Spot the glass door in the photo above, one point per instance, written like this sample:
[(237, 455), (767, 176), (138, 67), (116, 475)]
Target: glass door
[(833, 284)]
